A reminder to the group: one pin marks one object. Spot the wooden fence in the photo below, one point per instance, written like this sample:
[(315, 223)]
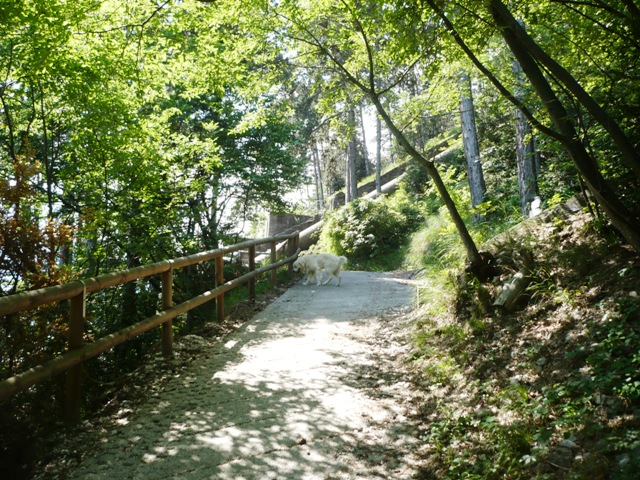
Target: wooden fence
[(77, 292)]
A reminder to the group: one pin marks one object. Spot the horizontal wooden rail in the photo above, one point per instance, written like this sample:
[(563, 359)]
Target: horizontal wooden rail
[(35, 298), (76, 291)]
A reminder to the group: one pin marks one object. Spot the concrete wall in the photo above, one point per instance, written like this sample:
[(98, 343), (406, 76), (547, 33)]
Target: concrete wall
[(280, 222), (337, 200)]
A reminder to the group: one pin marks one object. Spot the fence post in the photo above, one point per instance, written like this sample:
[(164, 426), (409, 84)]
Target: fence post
[(219, 281), (274, 259), (252, 267), (73, 390), (167, 302), (291, 249)]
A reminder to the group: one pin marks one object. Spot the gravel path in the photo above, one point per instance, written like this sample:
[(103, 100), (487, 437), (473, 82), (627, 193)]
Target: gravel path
[(305, 390)]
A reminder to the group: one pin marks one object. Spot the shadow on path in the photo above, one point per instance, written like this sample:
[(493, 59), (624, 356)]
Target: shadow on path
[(280, 399)]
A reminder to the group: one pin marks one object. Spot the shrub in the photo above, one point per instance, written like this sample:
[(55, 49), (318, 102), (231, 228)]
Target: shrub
[(366, 231)]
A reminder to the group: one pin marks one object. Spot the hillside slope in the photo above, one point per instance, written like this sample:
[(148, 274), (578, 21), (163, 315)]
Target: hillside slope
[(550, 390)]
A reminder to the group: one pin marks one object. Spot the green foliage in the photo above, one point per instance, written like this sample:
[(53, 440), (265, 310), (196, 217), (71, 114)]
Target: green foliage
[(131, 132), (153, 130), (503, 398), (436, 244), (368, 232), (613, 358)]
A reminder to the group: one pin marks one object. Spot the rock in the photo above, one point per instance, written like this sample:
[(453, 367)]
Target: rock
[(566, 443), (511, 291), (561, 457)]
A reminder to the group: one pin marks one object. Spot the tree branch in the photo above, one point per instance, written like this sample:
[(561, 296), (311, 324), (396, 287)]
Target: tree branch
[(629, 154), (492, 78)]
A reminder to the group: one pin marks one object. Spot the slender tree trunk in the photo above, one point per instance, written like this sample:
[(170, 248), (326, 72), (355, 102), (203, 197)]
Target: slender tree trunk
[(315, 177), (129, 303), (536, 158), (318, 178), (525, 152), (348, 173), (621, 217), (365, 151), (351, 187), (47, 154), (129, 313), (527, 184), (378, 153), (475, 176), (8, 120), (353, 177)]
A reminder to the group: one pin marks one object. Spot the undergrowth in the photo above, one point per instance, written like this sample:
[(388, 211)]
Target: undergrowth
[(548, 391), (372, 234)]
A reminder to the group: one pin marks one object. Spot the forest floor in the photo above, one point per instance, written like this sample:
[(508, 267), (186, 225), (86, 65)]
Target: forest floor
[(550, 390)]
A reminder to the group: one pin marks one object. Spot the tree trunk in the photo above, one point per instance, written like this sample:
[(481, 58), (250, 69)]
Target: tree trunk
[(527, 183), (619, 215), (378, 153), (470, 140), (47, 155), (525, 152), (348, 174), (351, 187), (318, 178), (365, 151), (129, 303)]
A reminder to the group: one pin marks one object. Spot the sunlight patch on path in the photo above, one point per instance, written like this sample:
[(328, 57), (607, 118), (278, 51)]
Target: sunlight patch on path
[(278, 399)]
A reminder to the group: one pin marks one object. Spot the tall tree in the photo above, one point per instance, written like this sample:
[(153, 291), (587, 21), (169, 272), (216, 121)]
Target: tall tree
[(516, 33), (318, 178), (365, 150), (378, 153), (627, 222), (475, 176), (351, 188), (525, 151)]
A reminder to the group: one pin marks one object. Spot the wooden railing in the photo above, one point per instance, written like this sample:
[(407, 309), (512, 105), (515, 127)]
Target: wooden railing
[(77, 293)]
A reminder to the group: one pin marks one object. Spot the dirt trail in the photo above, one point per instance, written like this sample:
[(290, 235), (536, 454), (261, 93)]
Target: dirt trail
[(305, 390)]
